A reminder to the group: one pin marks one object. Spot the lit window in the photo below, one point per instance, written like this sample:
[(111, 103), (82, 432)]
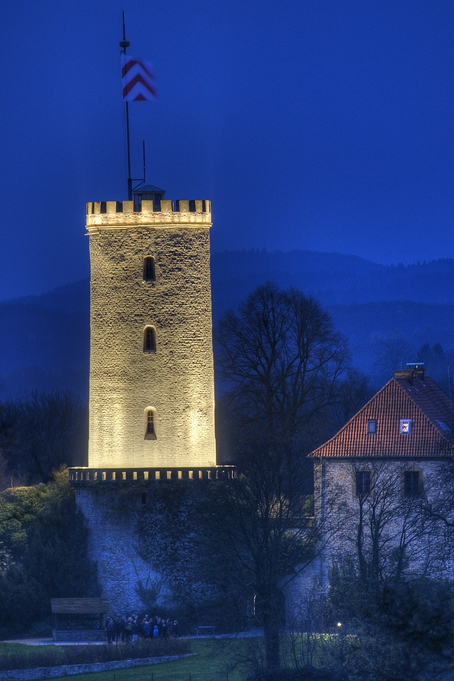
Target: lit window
[(412, 483), (405, 426), (149, 273), (150, 429), (363, 483), (372, 426), (149, 339), (150, 423)]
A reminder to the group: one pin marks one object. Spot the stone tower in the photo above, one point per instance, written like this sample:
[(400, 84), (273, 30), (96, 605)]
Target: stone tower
[(151, 374), (151, 358)]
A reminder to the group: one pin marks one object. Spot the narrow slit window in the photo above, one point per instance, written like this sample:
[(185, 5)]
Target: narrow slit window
[(150, 431), (149, 272), (149, 339)]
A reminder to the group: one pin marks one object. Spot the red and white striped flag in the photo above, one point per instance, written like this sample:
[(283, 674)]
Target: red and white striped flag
[(137, 80)]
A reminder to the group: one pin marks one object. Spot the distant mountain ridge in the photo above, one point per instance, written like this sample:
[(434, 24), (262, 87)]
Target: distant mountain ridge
[(332, 278), (45, 338), (73, 297)]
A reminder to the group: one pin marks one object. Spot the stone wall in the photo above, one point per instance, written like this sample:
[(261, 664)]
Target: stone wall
[(71, 669), (403, 520), (112, 544), (305, 597), (176, 380)]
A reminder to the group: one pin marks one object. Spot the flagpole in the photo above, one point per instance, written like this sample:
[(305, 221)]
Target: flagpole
[(124, 44)]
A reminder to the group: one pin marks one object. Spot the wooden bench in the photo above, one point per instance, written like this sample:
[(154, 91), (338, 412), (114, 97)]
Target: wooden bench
[(205, 631)]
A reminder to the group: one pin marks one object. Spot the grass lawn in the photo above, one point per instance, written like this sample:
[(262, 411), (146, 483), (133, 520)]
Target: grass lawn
[(24, 650), (214, 660)]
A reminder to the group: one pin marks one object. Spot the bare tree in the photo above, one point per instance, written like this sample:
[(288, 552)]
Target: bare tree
[(393, 353), (283, 365), (388, 531)]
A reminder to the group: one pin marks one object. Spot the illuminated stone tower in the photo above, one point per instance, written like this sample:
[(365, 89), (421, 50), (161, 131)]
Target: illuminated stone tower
[(151, 358), (151, 375)]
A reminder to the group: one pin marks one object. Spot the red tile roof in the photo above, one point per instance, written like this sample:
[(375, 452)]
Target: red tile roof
[(420, 399)]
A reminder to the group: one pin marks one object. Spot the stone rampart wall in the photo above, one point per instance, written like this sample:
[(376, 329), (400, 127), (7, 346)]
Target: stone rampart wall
[(71, 669), (113, 545)]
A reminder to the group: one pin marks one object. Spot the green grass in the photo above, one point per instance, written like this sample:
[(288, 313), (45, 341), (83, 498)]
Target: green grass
[(213, 660), (24, 650), (226, 659)]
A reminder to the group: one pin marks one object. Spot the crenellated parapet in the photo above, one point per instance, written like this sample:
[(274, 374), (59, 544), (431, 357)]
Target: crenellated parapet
[(83, 475), (128, 214)]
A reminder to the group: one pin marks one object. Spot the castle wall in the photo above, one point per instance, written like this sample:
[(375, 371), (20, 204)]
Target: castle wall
[(401, 519), (112, 544), (305, 597), (176, 380)]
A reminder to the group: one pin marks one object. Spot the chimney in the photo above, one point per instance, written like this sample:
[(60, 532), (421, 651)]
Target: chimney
[(412, 370)]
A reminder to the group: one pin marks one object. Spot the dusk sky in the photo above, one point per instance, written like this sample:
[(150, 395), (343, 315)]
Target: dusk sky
[(313, 124)]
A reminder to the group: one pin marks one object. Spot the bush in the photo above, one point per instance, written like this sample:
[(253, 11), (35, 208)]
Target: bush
[(44, 551), (303, 674), (371, 655), (421, 612), (53, 656)]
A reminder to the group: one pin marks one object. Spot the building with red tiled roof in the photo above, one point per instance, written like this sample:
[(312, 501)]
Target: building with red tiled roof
[(384, 484), (409, 417)]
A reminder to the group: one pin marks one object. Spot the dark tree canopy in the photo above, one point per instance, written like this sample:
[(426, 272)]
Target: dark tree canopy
[(39, 433), (283, 364)]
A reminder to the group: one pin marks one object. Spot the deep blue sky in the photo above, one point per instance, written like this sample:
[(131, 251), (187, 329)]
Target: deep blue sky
[(312, 124)]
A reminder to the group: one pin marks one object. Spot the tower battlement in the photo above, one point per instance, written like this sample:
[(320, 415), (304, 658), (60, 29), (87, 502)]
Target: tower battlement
[(128, 213)]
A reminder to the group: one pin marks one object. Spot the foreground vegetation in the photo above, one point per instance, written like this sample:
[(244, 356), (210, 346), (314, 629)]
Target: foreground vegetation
[(306, 657), (363, 652), (19, 656), (212, 658), (43, 554), (226, 659)]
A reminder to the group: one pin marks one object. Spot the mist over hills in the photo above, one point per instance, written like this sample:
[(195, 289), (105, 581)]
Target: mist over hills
[(45, 338), (332, 278)]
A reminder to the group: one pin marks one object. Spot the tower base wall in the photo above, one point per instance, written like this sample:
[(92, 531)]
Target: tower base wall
[(113, 545)]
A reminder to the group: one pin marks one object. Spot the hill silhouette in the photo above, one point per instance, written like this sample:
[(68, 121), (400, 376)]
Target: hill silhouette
[(45, 338)]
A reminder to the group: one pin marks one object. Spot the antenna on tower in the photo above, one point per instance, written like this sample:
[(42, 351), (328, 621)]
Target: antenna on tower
[(124, 44)]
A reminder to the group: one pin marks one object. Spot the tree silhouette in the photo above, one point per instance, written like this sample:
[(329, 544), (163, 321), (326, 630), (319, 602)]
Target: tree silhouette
[(283, 366)]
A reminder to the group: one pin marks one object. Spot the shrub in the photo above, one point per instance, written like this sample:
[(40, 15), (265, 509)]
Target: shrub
[(44, 544), (77, 654), (304, 674), (421, 612)]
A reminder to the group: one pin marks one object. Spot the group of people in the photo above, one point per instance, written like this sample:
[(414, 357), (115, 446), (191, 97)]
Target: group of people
[(128, 629)]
